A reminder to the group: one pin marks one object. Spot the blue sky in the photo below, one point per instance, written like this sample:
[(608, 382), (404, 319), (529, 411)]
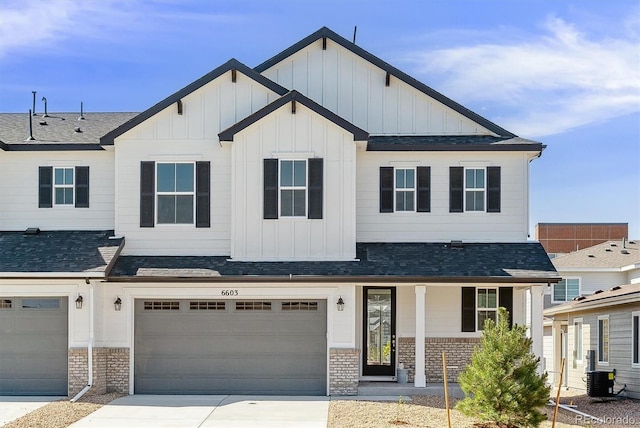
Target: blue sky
[(566, 73)]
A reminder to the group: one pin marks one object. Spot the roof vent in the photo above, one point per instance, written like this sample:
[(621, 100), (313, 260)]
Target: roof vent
[(457, 245), (617, 287), (30, 137), (624, 252), (608, 250), (43, 122), (32, 231), (614, 245), (632, 242), (44, 99), (77, 130), (81, 111), (591, 255), (597, 292), (578, 298)]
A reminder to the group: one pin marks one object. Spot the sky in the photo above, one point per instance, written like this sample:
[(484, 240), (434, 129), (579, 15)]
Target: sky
[(565, 73)]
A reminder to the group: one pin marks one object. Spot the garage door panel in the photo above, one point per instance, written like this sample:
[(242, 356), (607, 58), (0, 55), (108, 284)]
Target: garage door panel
[(230, 349)]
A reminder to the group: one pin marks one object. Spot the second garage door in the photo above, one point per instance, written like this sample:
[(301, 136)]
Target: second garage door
[(273, 347)]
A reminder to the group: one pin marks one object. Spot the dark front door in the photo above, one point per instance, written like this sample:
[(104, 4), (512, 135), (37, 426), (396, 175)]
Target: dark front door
[(379, 335)]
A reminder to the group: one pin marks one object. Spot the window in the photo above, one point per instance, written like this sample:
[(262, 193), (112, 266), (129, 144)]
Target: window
[(161, 306), (603, 339), (405, 189), (175, 193), (47, 304), (63, 186), (474, 189), (635, 338), (566, 290), (577, 340), (487, 304), (293, 188)]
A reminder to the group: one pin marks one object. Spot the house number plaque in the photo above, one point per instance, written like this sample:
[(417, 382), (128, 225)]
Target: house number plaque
[(229, 292)]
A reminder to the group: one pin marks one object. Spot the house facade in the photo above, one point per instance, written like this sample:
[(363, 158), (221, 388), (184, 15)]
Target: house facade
[(592, 271), (294, 228)]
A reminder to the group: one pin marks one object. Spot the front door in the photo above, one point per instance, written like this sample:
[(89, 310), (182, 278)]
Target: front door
[(379, 335)]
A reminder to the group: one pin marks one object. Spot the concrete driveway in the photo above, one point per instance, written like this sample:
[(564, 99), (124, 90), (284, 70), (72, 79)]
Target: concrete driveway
[(13, 407), (182, 411)]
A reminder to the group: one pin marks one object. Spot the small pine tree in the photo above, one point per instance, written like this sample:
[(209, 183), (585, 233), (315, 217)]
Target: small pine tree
[(501, 384)]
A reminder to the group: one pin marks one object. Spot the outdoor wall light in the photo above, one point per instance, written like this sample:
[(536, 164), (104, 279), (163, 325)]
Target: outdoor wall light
[(340, 304), (117, 304), (79, 301)]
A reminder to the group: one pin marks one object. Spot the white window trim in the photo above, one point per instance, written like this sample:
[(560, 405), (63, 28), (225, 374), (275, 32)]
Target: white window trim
[(603, 363), (64, 186), (553, 287), (414, 189), (479, 327), (633, 339), (157, 193), (579, 355), (475, 190), (305, 188)]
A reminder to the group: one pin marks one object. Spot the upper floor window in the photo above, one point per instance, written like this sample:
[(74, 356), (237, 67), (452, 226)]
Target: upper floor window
[(565, 290), (63, 186), (175, 193), (405, 188), (474, 183), (603, 339), (293, 188)]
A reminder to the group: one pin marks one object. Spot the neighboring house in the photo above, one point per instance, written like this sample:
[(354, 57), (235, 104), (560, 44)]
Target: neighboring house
[(294, 228), (608, 323), (562, 238), (585, 272)]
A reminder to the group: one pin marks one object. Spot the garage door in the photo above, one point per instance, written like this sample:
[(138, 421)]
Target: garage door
[(272, 347), (33, 346)]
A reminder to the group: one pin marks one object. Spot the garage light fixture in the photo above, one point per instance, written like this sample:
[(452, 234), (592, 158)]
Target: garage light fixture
[(340, 304), (79, 301), (117, 304)]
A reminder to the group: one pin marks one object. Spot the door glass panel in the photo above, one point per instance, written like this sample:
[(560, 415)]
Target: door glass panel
[(379, 327)]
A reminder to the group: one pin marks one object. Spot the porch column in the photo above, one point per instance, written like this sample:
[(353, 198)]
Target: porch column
[(537, 292), (420, 379)]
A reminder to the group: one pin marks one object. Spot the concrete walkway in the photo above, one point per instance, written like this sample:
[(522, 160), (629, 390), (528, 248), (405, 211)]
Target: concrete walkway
[(14, 407), (233, 411)]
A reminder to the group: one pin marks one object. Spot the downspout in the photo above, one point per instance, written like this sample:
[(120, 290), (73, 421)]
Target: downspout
[(89, 348)]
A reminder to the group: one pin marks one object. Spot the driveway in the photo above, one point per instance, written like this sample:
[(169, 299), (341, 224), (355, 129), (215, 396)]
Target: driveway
[(14, 407), (182, 411)]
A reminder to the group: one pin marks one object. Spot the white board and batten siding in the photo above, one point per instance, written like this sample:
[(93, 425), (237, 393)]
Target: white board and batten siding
[(355, 89), (19, 189), (192, 136), (509, 225), (288, 136)]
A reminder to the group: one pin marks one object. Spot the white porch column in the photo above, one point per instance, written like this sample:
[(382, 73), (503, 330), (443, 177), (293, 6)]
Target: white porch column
[(420, 379), (537, 292)]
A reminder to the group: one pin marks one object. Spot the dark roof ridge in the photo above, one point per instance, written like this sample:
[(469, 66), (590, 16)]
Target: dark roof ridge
[(232, 64), (358, 133), (326, 32)]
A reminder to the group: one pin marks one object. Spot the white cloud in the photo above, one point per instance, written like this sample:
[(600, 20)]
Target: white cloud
[(546, 85)]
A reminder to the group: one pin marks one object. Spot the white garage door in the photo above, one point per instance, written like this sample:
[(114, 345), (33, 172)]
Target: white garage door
[(273, 347), (33, 345)]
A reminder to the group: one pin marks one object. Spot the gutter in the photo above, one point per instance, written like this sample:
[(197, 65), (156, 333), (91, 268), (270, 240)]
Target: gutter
[(89, 349)]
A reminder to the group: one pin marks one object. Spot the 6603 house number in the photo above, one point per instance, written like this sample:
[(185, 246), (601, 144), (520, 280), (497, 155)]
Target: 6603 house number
[(229, 292)]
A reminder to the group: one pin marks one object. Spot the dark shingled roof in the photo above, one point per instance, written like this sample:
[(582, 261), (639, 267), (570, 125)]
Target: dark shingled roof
[(61, 252), (436, 143), (425, 262), (59, 132)]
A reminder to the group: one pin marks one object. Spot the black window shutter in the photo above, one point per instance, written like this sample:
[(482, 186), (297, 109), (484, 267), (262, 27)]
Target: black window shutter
[(456, 191), (315, 188), (82, 187), (203, 194), (468, 309), (386, 189), (424, 189), (45, 187), (505, 300), (147, 193), (270, 188), (493, 189)]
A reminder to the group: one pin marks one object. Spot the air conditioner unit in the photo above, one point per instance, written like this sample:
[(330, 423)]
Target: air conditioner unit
[(600, 384)]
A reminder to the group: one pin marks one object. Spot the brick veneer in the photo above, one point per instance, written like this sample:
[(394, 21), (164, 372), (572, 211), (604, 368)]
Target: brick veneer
[(458, 352), (110, 370), (343, 371)]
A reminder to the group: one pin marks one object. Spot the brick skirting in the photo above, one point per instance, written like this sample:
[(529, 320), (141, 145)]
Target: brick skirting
[(110, 370), (343, 371)]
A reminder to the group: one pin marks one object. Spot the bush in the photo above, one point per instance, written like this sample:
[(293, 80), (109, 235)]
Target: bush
[(502, 384)]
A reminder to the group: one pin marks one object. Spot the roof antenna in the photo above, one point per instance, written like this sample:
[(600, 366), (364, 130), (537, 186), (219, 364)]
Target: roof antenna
[(45, 107), (30, 128), (34, 102), (81, 111), (355, 28)]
